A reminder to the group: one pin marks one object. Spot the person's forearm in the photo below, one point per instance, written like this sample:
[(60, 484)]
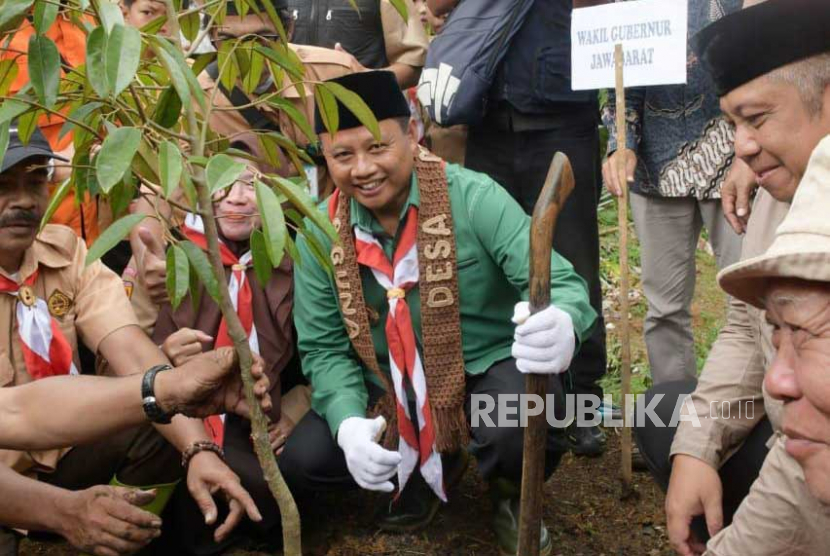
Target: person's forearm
[(128, 351), (64, 411), (406, 75), (30, 504)]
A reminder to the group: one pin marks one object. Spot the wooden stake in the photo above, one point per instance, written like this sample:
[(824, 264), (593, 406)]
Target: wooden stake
[(622, 217)]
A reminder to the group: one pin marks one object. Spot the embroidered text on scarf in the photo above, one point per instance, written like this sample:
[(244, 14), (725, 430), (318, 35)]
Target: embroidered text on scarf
[(426, 256)]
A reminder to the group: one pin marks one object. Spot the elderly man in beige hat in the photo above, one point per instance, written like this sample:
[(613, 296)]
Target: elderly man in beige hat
[(787, 510), (771, 66)]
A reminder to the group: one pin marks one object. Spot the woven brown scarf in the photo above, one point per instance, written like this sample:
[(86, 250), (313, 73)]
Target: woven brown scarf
[(443, 358)]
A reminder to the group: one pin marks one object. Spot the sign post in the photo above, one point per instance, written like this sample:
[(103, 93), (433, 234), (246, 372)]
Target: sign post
[(647, 39), (622, 223)]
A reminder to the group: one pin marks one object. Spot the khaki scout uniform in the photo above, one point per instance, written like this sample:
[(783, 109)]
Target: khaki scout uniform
[(87, 302), (734, 370), (406, 41), (320, 64)]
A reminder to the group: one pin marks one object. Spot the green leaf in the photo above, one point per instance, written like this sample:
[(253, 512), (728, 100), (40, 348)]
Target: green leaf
[(301, 200), (123, 56), (116, 156), (275, 19), (114, 233), (356, 106), (11, 109), (222, 171), (189, 191), (262, 262), (12, 13), (8, 73), (295, 116), (252, 78), (190, 25), (96, 66), (273, 222), (44, 69), (168, 109), (293, 252), (228, 66), (27, 124), (55, 201), (283, 57), (79, 114), (177, 77), (178, 275), (4, 138), (110, 14), (400, 5), (170, 167), (154, 26), (202, 61), (176, 58), (201, 265), (318, 251), (121, 195), (45, 14), (327, 106)]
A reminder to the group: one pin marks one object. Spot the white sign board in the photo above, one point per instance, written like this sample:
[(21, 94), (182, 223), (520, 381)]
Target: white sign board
[(652, 32)]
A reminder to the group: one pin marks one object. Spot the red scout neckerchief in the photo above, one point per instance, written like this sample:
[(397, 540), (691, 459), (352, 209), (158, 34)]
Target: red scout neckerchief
[(46, 351), (442, 426), (241, 297)]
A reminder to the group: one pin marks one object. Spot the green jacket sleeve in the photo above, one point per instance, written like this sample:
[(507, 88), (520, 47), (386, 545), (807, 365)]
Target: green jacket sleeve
[(328, 360), (504, 230)]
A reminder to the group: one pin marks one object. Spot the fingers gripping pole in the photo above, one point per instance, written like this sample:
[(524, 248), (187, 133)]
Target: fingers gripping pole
[(558, 185)]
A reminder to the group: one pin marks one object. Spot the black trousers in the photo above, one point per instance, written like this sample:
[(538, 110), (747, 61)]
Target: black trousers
[(518, 159), (737, 473), (312, 460)]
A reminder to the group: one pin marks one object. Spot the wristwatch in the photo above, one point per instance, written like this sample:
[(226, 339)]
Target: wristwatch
[(151, 407)]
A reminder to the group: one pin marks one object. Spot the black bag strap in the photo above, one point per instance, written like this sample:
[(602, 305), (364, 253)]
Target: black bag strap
[(255, 118)]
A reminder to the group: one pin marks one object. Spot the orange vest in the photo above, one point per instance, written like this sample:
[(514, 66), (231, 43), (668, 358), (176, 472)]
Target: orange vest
[(71, 43)]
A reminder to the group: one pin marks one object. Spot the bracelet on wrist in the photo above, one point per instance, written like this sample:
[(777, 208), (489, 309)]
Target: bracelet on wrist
[(201, 446)]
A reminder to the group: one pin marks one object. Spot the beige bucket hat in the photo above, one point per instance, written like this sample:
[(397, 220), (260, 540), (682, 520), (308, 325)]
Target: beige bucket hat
[(801, 248)]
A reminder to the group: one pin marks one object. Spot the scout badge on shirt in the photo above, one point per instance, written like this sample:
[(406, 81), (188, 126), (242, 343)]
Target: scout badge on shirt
[(46, 351)]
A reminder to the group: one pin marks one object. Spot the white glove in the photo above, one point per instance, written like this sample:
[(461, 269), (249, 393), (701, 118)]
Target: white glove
[(544, 343), (370, 465)]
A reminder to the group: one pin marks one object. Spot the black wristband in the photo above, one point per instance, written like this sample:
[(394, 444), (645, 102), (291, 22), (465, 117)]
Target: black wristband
[(148, 396)]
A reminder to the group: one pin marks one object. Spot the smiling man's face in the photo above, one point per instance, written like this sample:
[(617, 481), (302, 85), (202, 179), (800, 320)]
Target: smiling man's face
[(800, 374), (775, 132)]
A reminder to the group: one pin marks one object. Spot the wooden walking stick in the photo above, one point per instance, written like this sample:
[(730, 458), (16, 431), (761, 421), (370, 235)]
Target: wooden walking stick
[(622, 220), (558, 185)]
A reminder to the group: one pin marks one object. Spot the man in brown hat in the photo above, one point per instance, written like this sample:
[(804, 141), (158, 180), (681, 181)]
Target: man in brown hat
[(788, 509), (771, 67)]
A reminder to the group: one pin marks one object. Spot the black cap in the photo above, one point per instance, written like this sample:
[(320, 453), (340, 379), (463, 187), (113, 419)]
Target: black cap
[(756, 40), (378, 89), (277, 4), (17, 152)]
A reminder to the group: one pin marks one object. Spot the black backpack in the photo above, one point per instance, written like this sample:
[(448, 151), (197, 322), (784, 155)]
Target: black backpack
[(463, 59)]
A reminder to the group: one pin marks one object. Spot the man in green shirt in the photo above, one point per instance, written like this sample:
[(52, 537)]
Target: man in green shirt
[(413, 326)]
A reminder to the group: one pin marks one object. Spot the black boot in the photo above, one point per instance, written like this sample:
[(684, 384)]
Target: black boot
[(418, 504), (585, 440)]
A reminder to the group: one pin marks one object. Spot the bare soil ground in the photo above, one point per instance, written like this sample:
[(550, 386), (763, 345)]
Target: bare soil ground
[(582, 509)]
